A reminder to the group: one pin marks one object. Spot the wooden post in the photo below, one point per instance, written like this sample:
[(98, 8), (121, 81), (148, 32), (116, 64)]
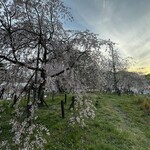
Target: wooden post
[(65, 98), (28, 98), (52, 95), (15, 100), (29, 113), (96, 104), (62, 109), (28, 110), (72, 103)]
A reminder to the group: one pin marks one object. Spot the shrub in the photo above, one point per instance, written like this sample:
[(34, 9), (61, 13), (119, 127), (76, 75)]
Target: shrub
[(146, 105)]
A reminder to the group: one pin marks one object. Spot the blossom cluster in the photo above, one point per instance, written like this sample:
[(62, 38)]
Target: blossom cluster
[(83, 110), (27, 133)]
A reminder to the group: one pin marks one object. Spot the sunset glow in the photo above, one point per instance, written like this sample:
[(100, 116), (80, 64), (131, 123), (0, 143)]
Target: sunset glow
[(144, 70), (125, 22)]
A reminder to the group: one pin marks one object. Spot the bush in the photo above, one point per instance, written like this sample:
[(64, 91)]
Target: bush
[(146, 105)]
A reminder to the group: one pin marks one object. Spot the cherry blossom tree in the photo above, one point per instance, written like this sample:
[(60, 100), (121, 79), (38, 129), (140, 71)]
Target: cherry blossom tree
[(37, 49), (115, 63)]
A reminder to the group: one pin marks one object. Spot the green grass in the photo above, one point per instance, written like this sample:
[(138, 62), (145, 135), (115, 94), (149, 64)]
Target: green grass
[(121, 123)]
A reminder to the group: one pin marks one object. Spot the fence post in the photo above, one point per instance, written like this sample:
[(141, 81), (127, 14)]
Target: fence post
[(52, 94), (28, 98), (62, 110), (65, 98), (29, 112), (72, 103), (14, 101)]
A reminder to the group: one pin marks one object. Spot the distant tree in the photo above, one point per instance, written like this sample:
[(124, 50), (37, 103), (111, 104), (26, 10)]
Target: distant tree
[(131, 82), (114, 63), (147, 76)]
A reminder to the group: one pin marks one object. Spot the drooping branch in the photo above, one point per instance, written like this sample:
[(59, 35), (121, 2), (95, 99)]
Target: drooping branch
[(25, 87), (19, 63), (71, 66)]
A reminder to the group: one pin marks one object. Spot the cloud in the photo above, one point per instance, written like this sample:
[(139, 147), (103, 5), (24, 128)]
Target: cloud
[(125, 22)]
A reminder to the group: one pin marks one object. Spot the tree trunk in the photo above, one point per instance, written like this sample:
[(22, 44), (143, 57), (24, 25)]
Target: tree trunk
[(42, 89), (36, 76), (114, 72)]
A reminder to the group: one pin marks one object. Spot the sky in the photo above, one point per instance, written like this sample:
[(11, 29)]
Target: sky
[(126, 22)]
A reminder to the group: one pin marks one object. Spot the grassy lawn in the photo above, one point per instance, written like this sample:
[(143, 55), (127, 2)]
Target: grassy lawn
[(121, 123)]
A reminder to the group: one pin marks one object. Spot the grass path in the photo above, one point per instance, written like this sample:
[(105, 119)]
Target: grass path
[(127, 119)]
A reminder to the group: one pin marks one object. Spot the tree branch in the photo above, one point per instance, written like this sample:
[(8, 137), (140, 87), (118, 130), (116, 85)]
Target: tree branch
[(71, 66), (19, 63)]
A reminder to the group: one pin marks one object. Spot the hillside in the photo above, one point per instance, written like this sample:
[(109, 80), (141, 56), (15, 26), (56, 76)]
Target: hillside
[(121, 123)]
